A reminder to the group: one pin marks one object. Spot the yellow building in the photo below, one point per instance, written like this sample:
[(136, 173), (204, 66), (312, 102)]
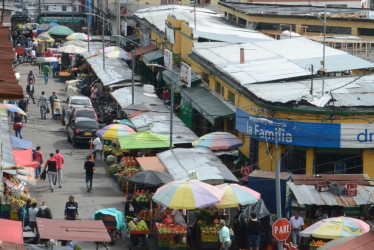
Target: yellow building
[(323, 128)]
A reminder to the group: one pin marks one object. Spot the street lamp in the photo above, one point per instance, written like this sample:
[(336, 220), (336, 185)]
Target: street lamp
[(277, 167), (323, 70), (171, 100), (103, 26)]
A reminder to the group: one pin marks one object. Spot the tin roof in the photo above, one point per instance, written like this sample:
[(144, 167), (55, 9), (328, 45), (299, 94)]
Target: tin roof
[(360, 179), (209, 25), (308, 195)]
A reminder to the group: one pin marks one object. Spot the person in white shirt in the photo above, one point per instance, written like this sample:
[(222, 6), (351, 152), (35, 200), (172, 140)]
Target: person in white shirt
[(297, 224), (98, 146)]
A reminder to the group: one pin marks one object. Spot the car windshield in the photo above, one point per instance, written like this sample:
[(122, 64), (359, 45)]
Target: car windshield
[(87, 125), (80, 102), (86, 113)]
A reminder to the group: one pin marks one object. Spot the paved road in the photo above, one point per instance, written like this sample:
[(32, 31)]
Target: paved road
[(49, 134)]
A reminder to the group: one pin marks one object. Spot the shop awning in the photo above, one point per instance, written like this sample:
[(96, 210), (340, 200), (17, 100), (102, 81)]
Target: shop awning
[(150, 163), (207, 104), (143, 50), (174, 79), (23, 158), (179, 162), (78, 230), (364, 241), (7, 158), (154, 56), (11, 231), (21, 143)]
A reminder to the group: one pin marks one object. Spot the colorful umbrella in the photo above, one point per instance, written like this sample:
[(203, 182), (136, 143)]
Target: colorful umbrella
[(77, 36), (236, 194), (127, 122), (113, 131), (187, 194), (52, 24), (144, 140), (72, 49), (117, 54), (218, 141), (45, 39), (78, 43), (12, 108), (112, 48), (336, 227), (60, 30)]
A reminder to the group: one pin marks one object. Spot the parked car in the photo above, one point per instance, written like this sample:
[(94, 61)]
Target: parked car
[(85, 112), (76, 101), (81, 130)]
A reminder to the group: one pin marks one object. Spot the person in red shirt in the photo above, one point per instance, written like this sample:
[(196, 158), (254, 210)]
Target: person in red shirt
[(59, 161), (38, 156), (48, 53), (165, 95)]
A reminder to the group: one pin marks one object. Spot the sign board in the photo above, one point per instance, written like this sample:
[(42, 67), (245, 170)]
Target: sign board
[(281, 229), (168, 59), (186, 74), (307, 134)]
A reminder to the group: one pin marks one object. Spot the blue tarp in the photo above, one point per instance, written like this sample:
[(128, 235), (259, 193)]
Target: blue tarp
[(117, 214), (20, 143)]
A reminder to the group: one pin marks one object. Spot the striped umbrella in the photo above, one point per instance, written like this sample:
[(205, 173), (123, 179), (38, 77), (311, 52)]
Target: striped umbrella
[(78, 36), (218, 141), (113, 131), (12, 108), (236, 194), (187, 194)]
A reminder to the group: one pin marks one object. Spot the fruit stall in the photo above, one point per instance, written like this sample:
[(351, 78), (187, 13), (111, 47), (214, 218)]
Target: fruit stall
[(315, 244), (170, 235)]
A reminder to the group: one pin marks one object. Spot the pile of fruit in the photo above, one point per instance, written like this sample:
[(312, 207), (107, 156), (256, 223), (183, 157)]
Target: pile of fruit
[(317, 243), (170, 229), (141, 226), (145, 214), (142, 196), (64, 73), (129, 161), (210, 230)]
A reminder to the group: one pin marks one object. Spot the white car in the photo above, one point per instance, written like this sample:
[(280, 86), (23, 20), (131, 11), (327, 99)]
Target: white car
[(78, 102)]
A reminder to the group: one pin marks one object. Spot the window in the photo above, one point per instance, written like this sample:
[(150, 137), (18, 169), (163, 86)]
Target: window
[(231, 97), (64, 7), (218, 87)]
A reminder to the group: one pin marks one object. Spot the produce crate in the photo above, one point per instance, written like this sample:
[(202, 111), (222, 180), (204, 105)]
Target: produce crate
[(322, 186), (209, 238), (337, 189), (176, 240)]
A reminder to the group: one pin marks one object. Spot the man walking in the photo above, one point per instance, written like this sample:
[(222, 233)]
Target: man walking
[(51, 168), (46, 71), (52, 98), (98, 146), (43, 104), (38, 156), (68, 114), (71, 209), (30, 91), (253, 231), (297, 224), (89, 166), (44, 211), (59, 161)]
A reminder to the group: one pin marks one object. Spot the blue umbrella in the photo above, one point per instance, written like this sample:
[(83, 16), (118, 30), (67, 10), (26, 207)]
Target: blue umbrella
[(53, 24)]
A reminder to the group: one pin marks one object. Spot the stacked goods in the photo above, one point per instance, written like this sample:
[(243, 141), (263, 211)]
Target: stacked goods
[(170, 229), (121, 173), (170, 235), (316, 243), (141, 227), (145, 215), (129, 161)]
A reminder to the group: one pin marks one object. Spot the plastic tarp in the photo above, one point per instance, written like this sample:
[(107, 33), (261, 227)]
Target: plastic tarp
[(71, 88), (11, 231), (21, 143), (23, 158), (180, 162), (150, 163), (120, 218), (6, 147)]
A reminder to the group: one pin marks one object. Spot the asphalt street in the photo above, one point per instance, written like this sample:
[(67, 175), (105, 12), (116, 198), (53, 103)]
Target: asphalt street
[(50, 135)]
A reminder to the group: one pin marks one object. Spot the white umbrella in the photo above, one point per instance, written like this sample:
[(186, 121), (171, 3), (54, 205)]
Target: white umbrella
[(71, 49), (76, 43), (46, 59)]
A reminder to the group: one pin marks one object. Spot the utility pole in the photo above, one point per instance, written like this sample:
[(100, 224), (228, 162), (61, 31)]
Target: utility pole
[(277, 182), (103, 26), (311, 75), (132, 76), (324, 52), (40, 7), (2, 12)]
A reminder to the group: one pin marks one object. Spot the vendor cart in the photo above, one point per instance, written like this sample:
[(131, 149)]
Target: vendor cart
[(114, 222)]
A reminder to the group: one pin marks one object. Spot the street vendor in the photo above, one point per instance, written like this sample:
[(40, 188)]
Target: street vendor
[(297, 224), (178, 216), (131, 208)]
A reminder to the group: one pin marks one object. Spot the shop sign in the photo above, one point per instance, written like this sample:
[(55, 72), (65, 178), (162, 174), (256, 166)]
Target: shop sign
[(324, 135), (168, 59), (186, 74)]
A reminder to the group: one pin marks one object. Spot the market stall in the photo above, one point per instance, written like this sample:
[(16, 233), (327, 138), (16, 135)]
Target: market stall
[(11, 231)]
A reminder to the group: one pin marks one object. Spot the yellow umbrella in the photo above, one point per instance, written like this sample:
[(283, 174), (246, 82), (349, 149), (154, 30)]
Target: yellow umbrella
[(12, 108)]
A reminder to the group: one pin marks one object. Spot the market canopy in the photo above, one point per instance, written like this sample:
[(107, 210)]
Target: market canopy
[(144, 140), (21, 143), (77, 230), (11, 231), (23, 158), (60, 30), (180, 162), (150, 163)]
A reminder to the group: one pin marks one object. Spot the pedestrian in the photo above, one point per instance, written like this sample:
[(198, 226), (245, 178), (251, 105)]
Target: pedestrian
[(33, 56), (98, 146), (23, 104), (68, 116), (43, 104), (55, 69), (32, 212), (52, 98), (71, 209), (178, 216), (51, 169), (297, 224), (89, 166), (59, 162), (30, 88), (253, 231), (46, 71), (44, 211), (38, 156), (224, 236), (17, 125)]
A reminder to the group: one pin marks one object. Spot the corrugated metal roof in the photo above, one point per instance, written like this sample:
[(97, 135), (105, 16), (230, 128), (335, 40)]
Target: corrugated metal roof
[(352, 91), (209, 25), (157, 120), (308, 195), (179, 161), (276, 60)]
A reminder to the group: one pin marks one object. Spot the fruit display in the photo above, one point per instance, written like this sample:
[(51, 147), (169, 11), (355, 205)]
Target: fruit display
[(170, 229), (140, 226), (64, 73), (317, 243), (145, 214), (142, 196), (210, 230), (129, 161)]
